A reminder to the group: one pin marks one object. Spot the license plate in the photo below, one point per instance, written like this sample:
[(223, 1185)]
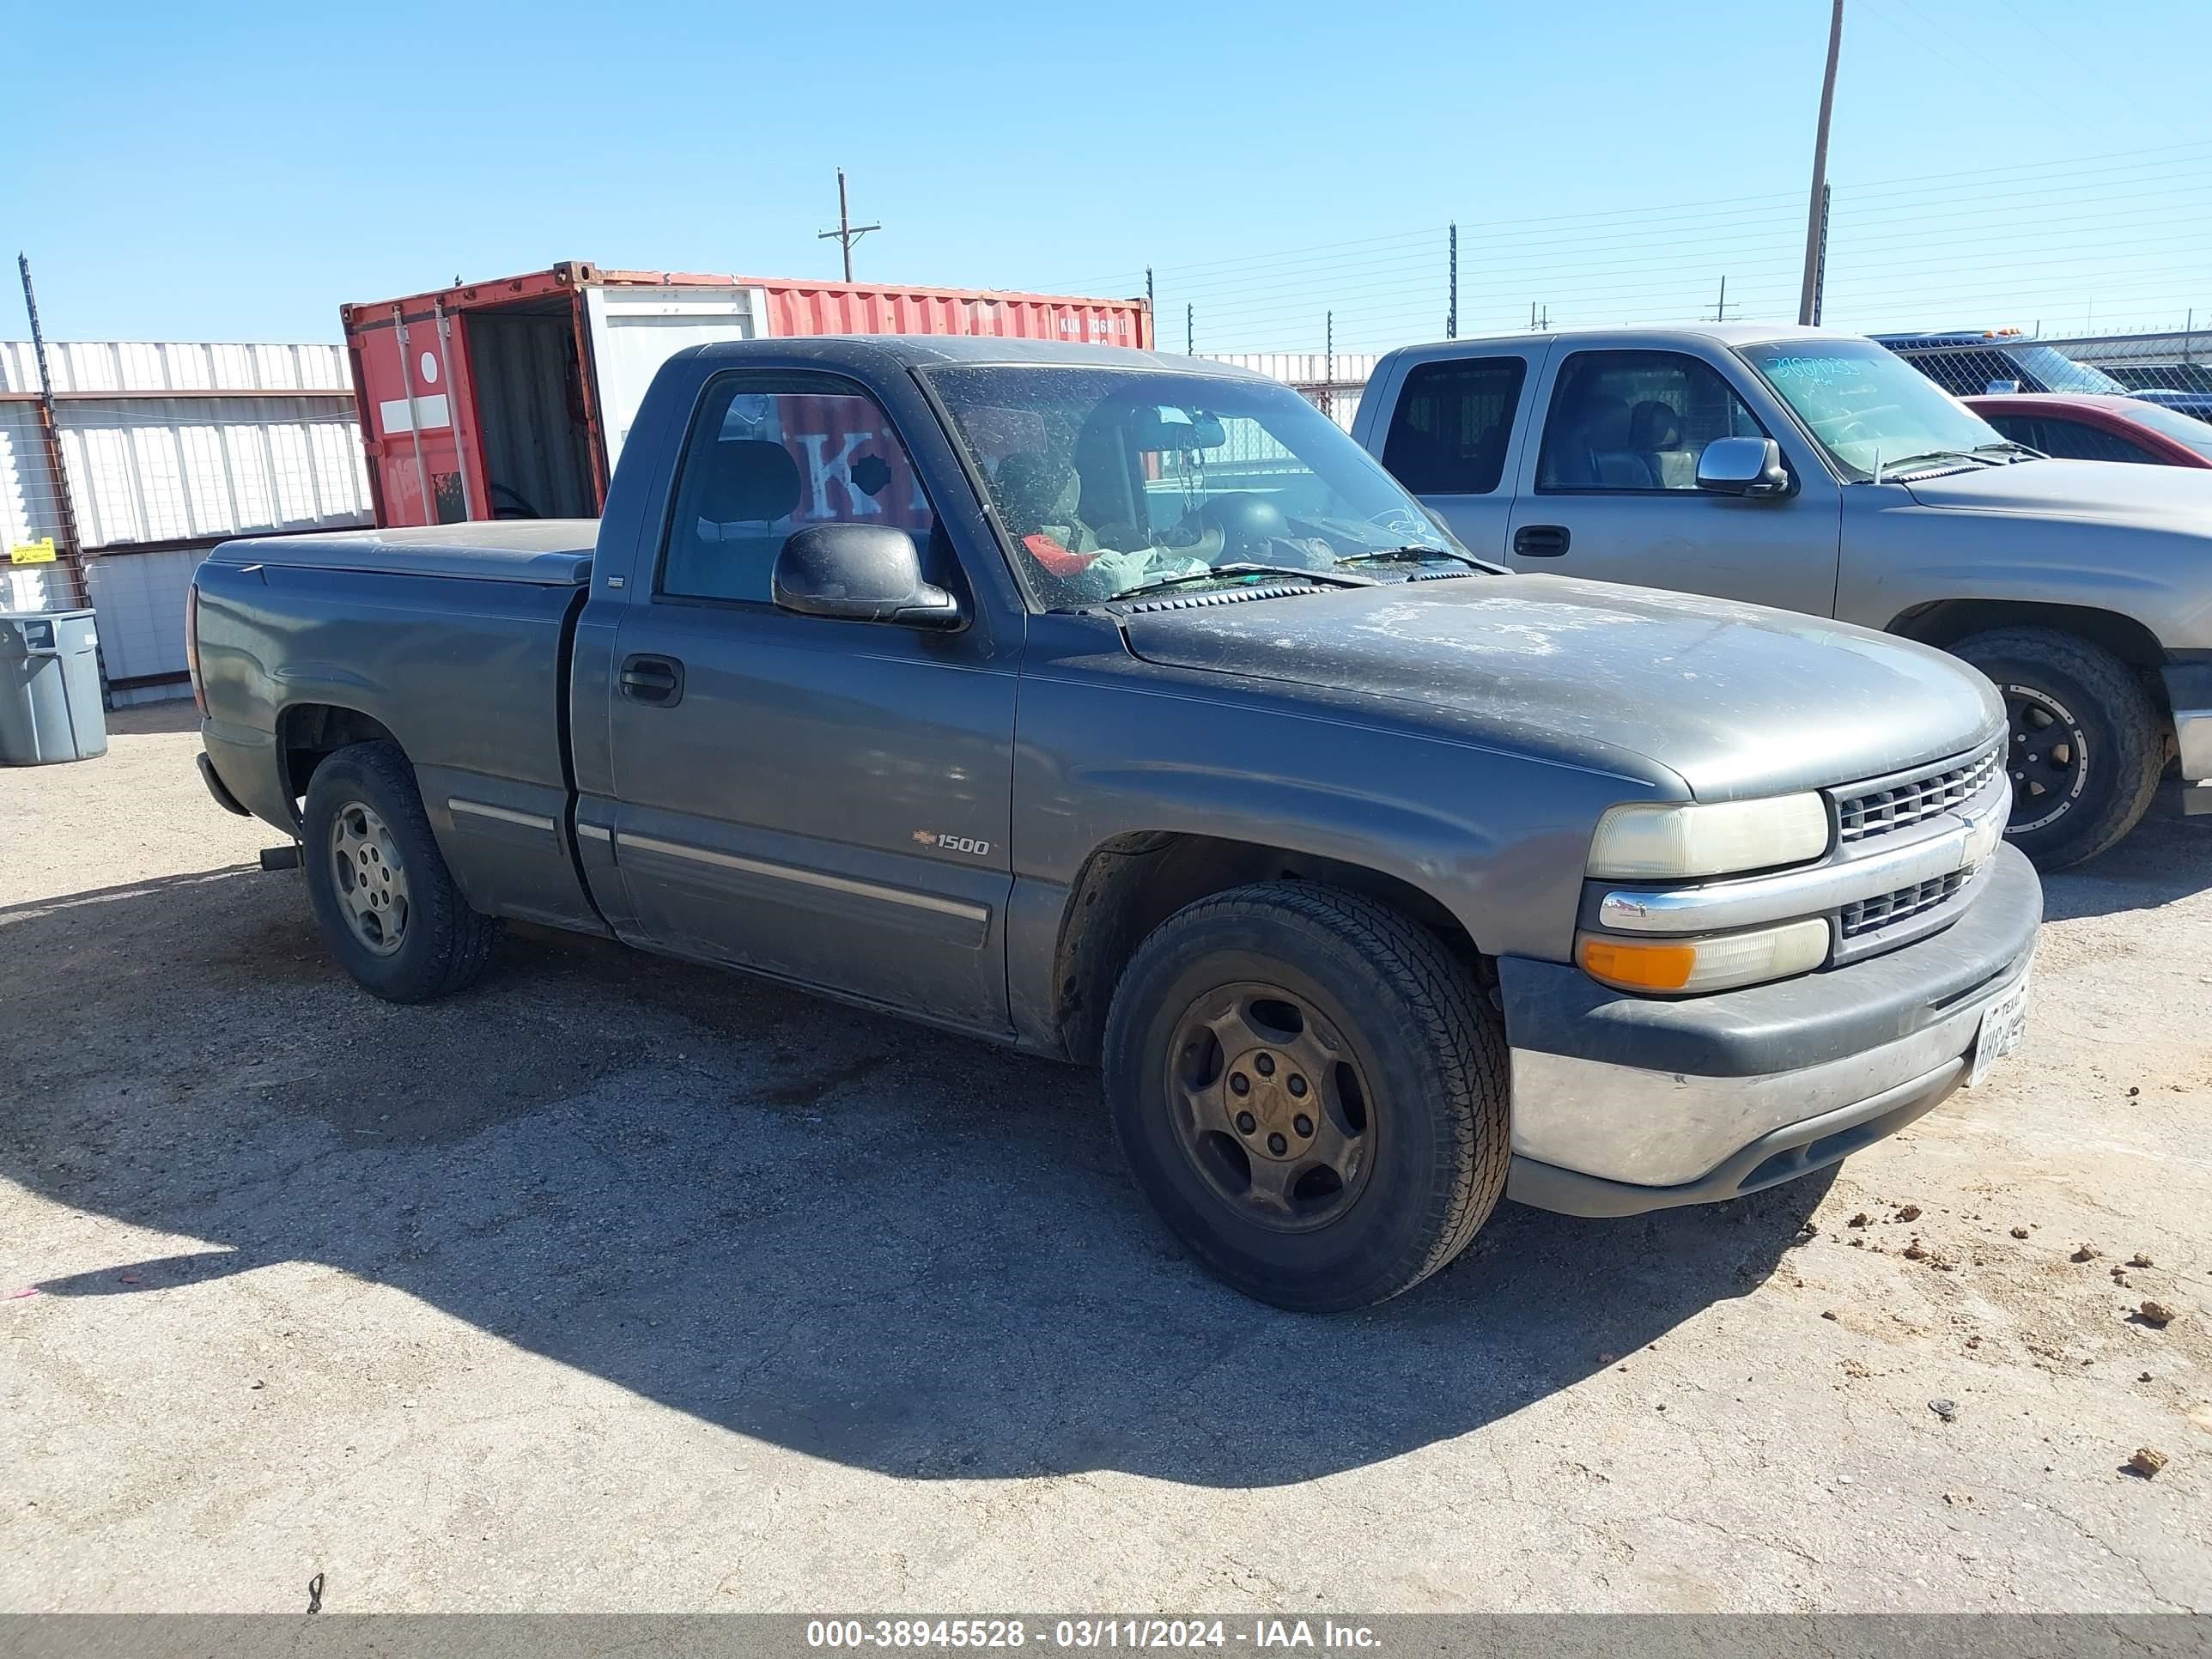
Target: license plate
[(2004, 1022)]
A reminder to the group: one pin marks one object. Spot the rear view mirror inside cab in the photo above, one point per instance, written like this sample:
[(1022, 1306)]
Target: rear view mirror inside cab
[(1163, 428)]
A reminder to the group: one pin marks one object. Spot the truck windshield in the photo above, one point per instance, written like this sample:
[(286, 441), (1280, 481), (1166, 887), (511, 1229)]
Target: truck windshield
[(2060, 372), (1866, 406), (1111, 480)]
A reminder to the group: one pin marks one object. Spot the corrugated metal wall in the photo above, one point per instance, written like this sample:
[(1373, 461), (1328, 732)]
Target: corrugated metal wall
[(86, 365), (170, 447), (185, 469), (834, 308)]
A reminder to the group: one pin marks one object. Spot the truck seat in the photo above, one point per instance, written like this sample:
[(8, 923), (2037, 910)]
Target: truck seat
[(727, 550)]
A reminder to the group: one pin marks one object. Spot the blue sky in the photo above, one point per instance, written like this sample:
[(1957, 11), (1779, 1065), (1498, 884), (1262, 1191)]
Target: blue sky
[(235, 172)]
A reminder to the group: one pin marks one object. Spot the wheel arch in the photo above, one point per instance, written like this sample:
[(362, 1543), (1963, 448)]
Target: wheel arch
[(1945, 622), (1131, 883), (310, 732)]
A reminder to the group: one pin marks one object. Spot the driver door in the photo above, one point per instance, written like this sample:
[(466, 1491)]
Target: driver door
[(825, 800), (1610, 490)]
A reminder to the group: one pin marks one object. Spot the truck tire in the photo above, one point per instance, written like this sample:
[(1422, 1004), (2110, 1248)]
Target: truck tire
[(2085, 749), (385, 903), (1310, 1091)]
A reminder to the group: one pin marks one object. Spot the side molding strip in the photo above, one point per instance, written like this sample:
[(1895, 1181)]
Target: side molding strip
[(966, 912), (504, 814)]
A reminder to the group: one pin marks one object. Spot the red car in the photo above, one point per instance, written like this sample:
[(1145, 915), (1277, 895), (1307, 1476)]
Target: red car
[(2079, 427)]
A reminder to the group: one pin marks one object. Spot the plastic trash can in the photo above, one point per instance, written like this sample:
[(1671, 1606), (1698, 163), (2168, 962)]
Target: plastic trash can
[(50, 707)]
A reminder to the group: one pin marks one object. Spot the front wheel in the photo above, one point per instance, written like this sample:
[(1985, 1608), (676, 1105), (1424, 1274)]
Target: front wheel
[(385, 903), (2082, 744), (1310, 1092)]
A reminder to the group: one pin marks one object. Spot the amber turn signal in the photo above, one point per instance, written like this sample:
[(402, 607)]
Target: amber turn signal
[(1640, 964)]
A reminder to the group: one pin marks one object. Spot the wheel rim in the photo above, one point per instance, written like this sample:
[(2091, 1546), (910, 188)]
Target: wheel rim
[(1271, 1106), (2047, 757), (372, 881)]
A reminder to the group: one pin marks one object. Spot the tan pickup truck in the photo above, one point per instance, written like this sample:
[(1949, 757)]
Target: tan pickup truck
[(1821, 472)]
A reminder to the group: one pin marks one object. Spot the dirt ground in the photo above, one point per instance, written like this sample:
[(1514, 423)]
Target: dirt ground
[(617, 1284)]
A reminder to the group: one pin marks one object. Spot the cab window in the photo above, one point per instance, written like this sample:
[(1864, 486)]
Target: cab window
[(770, 455), (1453, 424), (1636, 421)]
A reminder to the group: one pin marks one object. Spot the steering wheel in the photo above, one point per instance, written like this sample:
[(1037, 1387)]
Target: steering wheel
[(1232, 527)]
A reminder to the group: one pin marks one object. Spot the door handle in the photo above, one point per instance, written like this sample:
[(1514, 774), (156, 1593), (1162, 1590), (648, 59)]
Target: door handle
[(1540, 541), (656, 680)]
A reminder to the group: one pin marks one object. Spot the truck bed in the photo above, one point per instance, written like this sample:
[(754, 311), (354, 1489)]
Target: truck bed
[(546, 552), (452, 638)]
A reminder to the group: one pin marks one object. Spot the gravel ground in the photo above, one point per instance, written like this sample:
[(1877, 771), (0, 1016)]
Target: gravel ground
[(621, 1284)]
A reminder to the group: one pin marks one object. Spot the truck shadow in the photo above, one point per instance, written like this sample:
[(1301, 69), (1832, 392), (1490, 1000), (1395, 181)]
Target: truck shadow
[(2167, 857), (860, 1240)]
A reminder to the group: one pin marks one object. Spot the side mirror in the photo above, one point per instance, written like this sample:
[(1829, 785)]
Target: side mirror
[(1750, 467), (860, 573)]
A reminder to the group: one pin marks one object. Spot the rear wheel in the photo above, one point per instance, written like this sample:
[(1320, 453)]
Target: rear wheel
[(385, 903), (1310, 1092), (2083, 745)]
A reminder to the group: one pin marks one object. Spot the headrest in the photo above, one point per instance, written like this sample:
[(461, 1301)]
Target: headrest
[(748, 480), (1605, 421), (1655, 425), (1037, 489)]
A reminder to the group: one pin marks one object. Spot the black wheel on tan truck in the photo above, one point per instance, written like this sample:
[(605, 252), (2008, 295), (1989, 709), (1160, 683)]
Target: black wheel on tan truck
[(2085, 745), (385, 903), (1310, 1091)]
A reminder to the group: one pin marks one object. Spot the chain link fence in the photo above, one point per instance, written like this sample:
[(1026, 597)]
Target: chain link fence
[(2163, 365)]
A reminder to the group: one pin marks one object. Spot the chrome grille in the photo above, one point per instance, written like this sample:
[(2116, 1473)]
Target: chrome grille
[(1866, 915), (1915, 796)]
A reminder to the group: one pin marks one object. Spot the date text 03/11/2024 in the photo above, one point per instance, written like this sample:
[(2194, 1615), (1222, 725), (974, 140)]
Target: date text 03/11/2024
[(1259, 1634)]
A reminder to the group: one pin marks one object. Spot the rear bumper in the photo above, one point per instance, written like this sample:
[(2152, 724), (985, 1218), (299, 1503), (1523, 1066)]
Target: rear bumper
[(1622, 1103), (216, 787)]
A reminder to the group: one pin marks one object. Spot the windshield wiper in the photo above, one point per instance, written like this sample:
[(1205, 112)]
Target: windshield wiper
[(2019, 452), (1411, 552), (1339, 578), (1890, 469)]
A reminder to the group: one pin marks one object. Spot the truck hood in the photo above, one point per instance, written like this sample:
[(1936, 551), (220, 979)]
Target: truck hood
[(1736, 699), (2169, 497)]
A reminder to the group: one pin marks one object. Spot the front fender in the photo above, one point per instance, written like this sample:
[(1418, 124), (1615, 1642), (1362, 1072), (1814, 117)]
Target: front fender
[(1499, 840), (1898, 558)]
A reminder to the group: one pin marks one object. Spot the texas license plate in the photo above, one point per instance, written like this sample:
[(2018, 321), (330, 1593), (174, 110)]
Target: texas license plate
[(2004, 1022)]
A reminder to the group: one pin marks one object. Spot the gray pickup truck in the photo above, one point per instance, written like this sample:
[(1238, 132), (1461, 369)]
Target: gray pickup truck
[(1121, 709), (1823, 473)]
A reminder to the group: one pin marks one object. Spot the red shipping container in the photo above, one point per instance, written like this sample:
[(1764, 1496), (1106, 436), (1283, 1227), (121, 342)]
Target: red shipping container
[(512, 398)]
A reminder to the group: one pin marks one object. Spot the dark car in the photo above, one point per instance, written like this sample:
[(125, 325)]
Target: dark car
[(2099, 428)]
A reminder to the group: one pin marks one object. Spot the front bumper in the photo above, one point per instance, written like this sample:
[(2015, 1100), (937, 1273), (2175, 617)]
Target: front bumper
[(1624, 1104)]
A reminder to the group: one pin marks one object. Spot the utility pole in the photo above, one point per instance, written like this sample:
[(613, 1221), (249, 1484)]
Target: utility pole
[(1328, 365), (1451, 312), (1808, 294), (71, 552), (848, 233), (1720, 311), (1820, 271), (1189, 331)]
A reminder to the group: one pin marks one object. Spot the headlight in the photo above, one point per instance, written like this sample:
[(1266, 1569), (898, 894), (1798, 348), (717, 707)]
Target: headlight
[(1704, 965), (1657, 839)]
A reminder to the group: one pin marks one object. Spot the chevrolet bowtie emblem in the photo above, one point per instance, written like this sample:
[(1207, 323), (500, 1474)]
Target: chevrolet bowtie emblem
[(926, 837)]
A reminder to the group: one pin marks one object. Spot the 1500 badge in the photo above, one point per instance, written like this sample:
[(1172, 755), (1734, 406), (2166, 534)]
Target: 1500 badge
[(968, 844)]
